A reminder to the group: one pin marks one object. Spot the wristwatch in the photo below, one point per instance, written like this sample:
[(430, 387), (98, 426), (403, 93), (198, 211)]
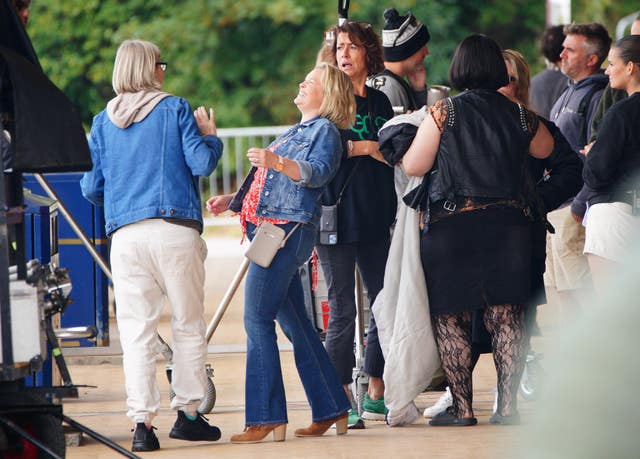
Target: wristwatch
[(280, 164)]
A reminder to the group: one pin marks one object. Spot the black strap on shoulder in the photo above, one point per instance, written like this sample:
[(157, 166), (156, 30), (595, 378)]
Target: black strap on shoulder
[(346, 182), (583, 107), (408, 90)]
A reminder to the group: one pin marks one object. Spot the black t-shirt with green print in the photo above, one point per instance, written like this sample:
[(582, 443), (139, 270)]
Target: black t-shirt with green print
[(368, 205)]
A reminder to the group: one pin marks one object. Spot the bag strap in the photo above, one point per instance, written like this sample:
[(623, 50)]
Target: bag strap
[(346, 183), (583, 108), (284, 241), (408, 90)]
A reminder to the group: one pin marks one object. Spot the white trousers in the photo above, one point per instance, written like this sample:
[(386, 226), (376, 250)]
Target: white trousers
[(152, 260)]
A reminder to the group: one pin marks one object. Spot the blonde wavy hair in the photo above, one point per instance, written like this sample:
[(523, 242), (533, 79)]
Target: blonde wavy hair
[(338, 104), (135, 65), (521, 72)]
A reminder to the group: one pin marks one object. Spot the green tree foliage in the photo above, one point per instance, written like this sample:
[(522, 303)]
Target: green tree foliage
[(606, 12), (245, 57)]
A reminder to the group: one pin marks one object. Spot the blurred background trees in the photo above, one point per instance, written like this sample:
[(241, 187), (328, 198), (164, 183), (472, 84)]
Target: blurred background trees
[(246, 57)]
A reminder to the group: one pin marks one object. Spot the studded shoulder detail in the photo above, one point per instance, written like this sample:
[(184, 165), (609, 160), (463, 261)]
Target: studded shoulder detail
[(523, 118), (451, 115)]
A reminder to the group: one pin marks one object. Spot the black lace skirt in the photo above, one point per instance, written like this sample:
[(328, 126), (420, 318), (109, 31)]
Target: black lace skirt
[(476, 259)]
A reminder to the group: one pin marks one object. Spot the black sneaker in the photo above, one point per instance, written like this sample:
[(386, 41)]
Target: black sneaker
[(144, 439), (197, 430)]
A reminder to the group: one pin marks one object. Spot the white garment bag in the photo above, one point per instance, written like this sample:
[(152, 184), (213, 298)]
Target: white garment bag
[(401, 310)]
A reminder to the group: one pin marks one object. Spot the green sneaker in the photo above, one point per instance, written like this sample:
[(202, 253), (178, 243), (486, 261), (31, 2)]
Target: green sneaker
[(354, 421), (373, 410)]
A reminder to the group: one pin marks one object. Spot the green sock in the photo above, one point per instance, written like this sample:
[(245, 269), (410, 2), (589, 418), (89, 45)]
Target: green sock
[(191, 417)]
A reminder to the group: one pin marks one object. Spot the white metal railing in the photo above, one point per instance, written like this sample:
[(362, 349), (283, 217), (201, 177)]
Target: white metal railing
[(234, 165)]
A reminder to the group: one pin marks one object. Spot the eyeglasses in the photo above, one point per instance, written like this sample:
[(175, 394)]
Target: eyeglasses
[(163, 66)]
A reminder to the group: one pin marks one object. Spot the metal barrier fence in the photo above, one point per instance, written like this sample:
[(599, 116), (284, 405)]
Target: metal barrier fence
[(234, 165)]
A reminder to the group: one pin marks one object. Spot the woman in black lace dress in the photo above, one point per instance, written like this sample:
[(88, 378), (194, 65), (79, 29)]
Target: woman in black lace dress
[(476, 241)]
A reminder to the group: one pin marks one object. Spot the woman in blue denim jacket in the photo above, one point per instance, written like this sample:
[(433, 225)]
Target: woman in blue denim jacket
[(283, 188), (148, 150)]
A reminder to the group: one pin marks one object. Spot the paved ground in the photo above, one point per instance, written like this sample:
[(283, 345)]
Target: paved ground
[(103, 408)]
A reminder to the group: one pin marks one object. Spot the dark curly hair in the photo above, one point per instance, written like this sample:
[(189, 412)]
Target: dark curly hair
[(362, 34), (551, 42), (21, 4)]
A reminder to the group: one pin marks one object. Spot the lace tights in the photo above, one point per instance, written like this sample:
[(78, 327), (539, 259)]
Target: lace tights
[(505, 324)]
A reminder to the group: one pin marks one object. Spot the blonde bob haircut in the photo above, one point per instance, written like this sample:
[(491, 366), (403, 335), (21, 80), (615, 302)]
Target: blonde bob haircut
[(135, 65), (338, 103)]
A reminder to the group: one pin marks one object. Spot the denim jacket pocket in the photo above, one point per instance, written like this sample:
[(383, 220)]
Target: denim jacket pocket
[(295, 149)]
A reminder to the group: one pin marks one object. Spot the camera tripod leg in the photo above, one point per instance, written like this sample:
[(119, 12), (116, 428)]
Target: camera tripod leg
[(57, 352)]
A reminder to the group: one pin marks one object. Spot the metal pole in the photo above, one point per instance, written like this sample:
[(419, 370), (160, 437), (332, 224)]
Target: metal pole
[(343, 11), (361, 379), (164, 348), (96, 436), (359, 318), (217, 317), (30, 438), (74, 225), (5, 295)]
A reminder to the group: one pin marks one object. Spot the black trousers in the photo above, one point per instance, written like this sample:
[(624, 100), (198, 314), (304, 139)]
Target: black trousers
[(338, 264)]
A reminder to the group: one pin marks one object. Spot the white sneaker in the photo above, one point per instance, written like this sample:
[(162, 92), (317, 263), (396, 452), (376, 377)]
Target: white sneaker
[(444, 402)]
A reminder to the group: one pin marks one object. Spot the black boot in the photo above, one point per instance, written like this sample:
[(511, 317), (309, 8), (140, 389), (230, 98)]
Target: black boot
[(144, 439), (197, 430)]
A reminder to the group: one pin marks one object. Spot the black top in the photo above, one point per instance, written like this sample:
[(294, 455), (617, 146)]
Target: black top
[(613, 164), (368, 205), (484, 143), (559, 176), (609, 97)]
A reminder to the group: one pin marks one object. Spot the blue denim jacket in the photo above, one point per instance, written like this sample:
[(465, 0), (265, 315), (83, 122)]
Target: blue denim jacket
[(316, 147), (151, 168)]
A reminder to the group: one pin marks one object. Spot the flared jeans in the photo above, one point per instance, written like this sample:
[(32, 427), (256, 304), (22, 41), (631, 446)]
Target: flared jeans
[(275, 293)]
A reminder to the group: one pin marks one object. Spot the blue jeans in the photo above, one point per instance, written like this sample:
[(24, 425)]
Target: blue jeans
[(338, 265), (275, 293)]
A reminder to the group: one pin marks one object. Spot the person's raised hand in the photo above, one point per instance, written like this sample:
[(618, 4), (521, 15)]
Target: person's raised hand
[(261, 157), (418, 77), (206, 121), (586, 149), (577, 218)]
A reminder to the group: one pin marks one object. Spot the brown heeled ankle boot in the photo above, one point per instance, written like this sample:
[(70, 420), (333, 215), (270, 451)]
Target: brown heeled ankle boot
[(256, 433), (317, 429)]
